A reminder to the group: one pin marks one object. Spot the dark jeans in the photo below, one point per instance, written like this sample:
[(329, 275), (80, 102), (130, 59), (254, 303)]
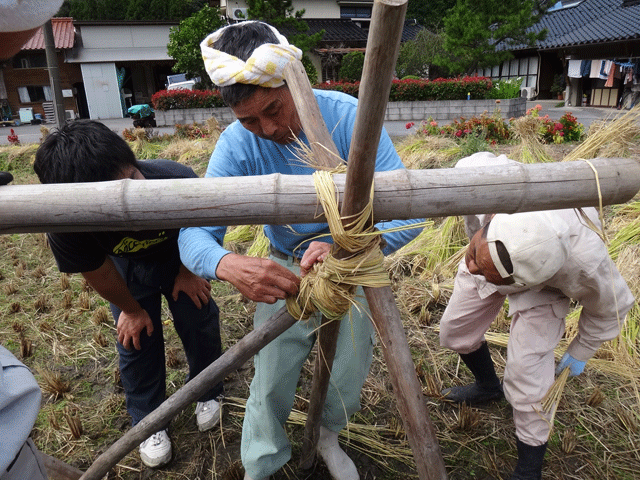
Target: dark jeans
[(143, 371)]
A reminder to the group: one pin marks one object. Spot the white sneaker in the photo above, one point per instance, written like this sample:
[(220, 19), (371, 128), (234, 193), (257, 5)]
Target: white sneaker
[(155, 451), (340, 466), (208, 414)]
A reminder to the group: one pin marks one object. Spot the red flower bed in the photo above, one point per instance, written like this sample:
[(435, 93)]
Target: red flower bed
[(412, 90)]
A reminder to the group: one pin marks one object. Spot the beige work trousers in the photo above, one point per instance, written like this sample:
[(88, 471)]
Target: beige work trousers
[(530, 366)]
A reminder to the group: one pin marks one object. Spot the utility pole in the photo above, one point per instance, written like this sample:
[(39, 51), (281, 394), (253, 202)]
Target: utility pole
[(54, 72)]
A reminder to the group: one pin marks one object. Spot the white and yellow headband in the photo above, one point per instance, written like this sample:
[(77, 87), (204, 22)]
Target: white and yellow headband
[(265, 67)]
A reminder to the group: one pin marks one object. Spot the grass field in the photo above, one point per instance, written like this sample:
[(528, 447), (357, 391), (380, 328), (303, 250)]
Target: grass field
[(64, 332)]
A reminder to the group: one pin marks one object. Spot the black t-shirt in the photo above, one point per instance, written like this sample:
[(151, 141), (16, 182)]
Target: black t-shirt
[(87, 251)]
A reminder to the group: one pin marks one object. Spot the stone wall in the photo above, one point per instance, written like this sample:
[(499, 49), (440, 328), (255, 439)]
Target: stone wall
[(396, 111), (448, 110)]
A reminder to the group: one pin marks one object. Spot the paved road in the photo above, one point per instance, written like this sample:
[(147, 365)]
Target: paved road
[(585, 115)]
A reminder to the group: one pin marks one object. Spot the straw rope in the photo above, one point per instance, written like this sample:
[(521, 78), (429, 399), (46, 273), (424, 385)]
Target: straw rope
[(330, 286)]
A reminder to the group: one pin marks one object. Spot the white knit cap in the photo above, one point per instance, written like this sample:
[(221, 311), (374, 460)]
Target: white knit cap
[(20, 15), (537, 243), (265, 67)]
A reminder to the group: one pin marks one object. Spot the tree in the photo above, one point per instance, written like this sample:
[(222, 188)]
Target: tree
[(280, 14), (429, 14), (416, 56), (184, 42), (351, 68), (130, 9), (480, 33)]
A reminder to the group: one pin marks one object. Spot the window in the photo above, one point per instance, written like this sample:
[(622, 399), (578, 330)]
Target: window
[(34, 94), (37, 60), (355, 12)]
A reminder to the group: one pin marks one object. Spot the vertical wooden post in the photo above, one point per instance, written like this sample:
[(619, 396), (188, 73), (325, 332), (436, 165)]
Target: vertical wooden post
[(382, 51)]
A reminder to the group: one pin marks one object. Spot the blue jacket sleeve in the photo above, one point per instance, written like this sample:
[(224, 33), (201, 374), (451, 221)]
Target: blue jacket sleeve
[(201, 248)]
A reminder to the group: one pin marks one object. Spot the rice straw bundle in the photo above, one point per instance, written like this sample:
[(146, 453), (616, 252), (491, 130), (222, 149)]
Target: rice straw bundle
[(612, 138), (372, 440), (531, 148), (240, 234), (436, 251), (423, 151), (260, 245), (551, 400)]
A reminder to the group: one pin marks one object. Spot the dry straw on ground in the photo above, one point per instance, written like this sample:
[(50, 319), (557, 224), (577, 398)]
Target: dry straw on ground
[(596, 422)]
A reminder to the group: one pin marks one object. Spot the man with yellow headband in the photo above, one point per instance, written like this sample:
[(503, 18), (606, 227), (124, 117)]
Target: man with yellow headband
[(246, 61), (539, 261)]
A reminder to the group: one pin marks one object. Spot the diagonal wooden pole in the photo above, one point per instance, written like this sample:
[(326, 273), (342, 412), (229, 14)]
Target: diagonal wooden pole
[(382, 50), (228, 362)]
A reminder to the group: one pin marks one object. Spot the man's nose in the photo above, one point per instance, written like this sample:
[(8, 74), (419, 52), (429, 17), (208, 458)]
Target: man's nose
[(269, 127)]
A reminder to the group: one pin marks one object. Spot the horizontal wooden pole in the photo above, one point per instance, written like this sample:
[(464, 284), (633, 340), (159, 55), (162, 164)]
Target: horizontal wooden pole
[(285, 199)]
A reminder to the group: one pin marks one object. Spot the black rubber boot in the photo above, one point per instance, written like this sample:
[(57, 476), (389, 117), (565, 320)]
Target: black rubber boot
[(529, 466), (5, 177), (487, 386)]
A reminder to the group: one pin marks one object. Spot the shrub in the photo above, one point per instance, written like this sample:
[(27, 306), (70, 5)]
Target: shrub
[(566, 129), (172, 99), (310, 69), (423, 89), (486, 128), (506, 88), (352, 65)]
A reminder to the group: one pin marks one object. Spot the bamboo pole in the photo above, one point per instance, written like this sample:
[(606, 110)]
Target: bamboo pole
[(285, 199), (229, 361)]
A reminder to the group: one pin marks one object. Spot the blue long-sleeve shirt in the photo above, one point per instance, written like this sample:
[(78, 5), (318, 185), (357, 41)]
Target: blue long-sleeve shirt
[(239, 152)]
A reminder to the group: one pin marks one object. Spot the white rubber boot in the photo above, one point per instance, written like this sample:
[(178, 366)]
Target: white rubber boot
[(340, 466)]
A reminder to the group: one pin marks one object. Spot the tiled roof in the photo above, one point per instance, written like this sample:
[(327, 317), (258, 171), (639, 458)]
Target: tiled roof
[(63, 35), (589, 22), (410, 30), (345, 31), (336, 30)]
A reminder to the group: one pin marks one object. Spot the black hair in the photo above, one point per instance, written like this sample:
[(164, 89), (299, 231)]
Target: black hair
[(240, 40), (83, 151)]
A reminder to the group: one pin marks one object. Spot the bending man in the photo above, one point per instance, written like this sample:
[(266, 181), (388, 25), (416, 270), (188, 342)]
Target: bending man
[(540, 261)]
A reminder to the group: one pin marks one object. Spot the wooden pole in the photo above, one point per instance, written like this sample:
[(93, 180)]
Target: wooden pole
[(382, 50), (229, 361), (58, 470), (324, 150), (325, 154), (284, 199)]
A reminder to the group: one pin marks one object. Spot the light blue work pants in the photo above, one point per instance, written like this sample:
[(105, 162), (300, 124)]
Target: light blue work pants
[(265, 446)]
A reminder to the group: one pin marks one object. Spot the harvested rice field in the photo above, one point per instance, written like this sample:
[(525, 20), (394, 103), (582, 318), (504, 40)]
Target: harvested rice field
[(59, 327)]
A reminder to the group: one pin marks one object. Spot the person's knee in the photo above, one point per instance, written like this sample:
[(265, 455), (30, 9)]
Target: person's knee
[(448, 338)]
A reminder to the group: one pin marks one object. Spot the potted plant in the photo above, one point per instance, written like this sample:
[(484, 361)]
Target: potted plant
[(557, 88)]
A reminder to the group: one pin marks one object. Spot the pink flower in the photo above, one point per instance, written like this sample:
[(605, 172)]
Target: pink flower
[(538, 107), (433, 123), (459, 133), (409, 125)]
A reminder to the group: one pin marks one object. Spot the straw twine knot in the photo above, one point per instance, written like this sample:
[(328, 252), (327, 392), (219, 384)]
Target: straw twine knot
[(330, 286)]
